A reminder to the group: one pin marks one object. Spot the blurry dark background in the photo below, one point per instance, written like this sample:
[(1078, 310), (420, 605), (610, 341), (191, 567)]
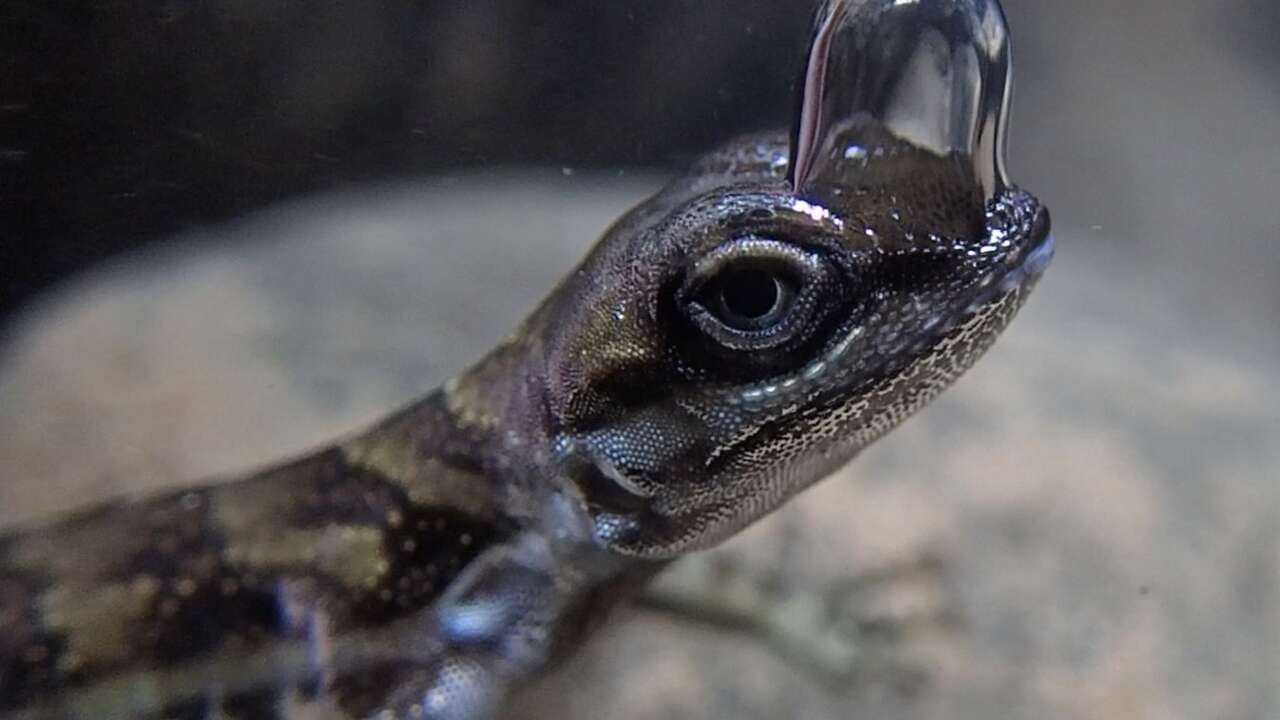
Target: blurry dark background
[(122, 121)]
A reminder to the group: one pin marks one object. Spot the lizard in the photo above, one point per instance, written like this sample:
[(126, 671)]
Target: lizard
[(726, 344)]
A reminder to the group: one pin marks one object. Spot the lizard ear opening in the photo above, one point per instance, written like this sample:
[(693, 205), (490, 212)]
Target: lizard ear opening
[(931, 73)]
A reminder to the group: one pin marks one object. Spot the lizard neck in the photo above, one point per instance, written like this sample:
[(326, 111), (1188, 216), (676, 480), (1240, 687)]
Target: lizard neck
[(485, 444)]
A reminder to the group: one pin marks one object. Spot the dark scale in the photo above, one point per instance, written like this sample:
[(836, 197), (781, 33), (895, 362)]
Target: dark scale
[(191, 614), (423, 547), (364, 692), (195, 709), (260, 705), (178, 609), (426, 550), (28, 653)]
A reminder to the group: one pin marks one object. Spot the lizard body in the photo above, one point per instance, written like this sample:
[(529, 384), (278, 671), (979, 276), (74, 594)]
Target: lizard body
[(727, 343)]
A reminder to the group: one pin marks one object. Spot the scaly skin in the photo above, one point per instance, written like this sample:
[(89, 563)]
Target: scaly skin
[(427, 567), (726, 344)]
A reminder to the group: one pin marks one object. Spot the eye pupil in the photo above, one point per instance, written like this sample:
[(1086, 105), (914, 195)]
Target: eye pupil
[(750, 294)]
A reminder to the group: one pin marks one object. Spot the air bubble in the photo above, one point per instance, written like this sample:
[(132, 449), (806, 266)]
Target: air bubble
[(932, 73)]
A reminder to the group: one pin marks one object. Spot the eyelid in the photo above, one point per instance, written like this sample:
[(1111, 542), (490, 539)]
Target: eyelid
[(750, 249)]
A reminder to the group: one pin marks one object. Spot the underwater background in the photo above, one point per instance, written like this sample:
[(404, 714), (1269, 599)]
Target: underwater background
[(234, 229)]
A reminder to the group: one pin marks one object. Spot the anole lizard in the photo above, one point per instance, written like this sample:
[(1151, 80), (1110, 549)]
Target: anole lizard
[(726, 344)]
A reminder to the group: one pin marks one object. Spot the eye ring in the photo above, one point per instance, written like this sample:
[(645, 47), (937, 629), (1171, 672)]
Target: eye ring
[(754, 294)]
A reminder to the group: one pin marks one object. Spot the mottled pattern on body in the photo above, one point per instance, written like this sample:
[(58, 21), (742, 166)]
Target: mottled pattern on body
[(430, 566), (313, 552), (725, 345)]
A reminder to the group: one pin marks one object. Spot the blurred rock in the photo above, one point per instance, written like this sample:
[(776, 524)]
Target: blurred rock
[(1101, 487)]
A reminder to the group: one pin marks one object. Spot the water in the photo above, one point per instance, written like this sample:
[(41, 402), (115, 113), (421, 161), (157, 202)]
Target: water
[(1102, 484), (935, 75)]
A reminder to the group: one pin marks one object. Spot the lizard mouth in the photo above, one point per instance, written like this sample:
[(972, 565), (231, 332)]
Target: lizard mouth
[(1034, 263), (1038, 259), (1026, 267)]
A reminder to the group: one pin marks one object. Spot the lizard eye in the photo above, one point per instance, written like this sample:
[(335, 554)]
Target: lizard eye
[(752, 298), (754, 294)]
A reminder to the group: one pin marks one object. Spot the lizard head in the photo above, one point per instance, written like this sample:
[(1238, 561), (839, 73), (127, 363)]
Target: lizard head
[(759, 322)]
